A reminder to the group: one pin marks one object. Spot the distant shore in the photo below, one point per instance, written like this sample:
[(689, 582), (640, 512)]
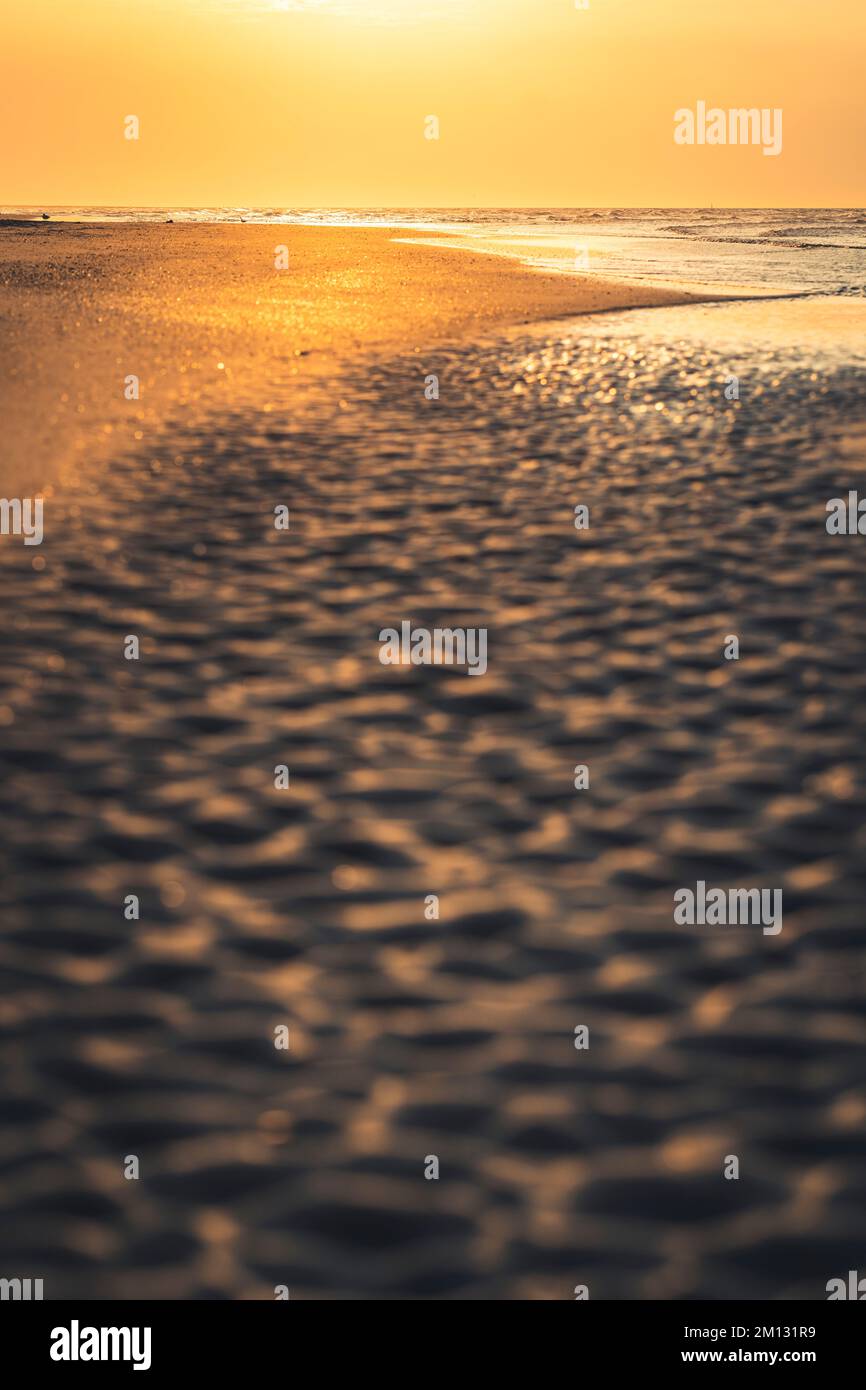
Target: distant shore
[(199, 312)]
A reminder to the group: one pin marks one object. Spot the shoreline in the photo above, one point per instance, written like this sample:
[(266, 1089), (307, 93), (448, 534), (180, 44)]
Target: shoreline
[(201, 316), (443, 237)]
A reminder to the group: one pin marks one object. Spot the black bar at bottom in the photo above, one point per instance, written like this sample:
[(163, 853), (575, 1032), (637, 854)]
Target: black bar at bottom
[(162, 1340)]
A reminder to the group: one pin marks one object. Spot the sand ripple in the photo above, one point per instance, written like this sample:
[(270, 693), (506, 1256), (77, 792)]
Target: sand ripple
[(306, 907)]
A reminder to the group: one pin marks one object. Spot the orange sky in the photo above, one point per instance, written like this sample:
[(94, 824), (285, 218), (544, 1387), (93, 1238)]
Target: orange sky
[(322, 102)]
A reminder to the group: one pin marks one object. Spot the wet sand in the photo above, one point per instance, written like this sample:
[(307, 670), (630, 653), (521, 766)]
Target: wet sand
[(305, 907), (201, 315)]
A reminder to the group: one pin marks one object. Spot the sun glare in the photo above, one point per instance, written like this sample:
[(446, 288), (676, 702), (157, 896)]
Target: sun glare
[(376, 10)]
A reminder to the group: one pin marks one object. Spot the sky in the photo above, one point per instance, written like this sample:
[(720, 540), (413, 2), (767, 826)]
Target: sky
[(324, 103)]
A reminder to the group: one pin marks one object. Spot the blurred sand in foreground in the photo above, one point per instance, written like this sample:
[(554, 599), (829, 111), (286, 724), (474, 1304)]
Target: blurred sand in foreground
[(304, 907)]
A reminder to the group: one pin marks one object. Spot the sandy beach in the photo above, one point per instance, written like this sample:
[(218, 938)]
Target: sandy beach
[(200, 314), (304, 908)]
